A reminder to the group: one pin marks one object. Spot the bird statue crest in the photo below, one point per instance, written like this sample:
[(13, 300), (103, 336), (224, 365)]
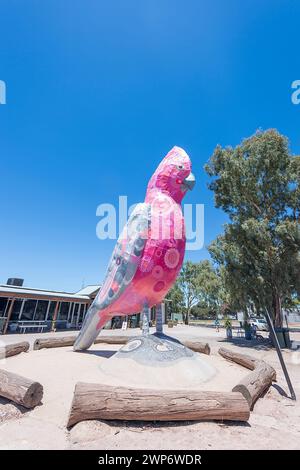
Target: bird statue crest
[(149, 252)]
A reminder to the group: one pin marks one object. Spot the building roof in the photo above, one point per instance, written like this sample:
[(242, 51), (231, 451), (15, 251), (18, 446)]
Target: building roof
[(19, 290), (88, 290)]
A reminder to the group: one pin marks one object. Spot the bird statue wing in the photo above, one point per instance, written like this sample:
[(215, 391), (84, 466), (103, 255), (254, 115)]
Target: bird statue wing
[(120, 272), (126, 256)]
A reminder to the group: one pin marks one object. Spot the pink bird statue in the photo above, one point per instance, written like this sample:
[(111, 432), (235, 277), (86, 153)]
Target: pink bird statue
[(149, 252)]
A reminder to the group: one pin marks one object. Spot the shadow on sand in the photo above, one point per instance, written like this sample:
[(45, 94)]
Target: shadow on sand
[(138, 426), (19, 408), (260, 345), (99, 353), (281, 391)]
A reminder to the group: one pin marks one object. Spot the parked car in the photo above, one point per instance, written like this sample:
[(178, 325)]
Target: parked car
[(260, 324)]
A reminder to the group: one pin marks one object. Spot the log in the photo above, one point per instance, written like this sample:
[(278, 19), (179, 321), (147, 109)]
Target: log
[(242, 359), (13, 349), (110, 339), (58, 342), (257, 382), (64, 341), (19, 389), (197, 346), (96, 401)]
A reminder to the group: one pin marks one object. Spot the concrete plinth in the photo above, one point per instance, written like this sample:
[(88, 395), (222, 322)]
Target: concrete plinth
[(154, 361)]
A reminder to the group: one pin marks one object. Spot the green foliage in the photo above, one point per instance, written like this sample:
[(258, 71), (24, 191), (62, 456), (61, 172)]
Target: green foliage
[(257, 184), (175, 295), (227, 323), (199, 282), (291, 303), (202, 311)]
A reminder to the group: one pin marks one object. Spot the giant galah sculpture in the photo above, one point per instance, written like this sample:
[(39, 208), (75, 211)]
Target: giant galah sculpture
[(149, 252)]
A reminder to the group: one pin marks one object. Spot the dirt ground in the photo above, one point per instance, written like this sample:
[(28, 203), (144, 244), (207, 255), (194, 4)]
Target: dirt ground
[(274, 423)]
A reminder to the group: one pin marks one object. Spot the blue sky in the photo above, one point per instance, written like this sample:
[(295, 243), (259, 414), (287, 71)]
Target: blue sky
[(99, 91)]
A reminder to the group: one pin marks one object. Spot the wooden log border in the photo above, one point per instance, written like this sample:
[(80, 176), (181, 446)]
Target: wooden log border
[(255, 384), (97, 401), (12, 349), (19, 389), (29, 393), (58, 342), (63, 341)]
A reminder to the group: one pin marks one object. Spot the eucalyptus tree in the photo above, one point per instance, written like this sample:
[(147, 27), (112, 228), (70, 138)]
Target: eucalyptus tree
[(199, 282), (175, 296), (257, 183)]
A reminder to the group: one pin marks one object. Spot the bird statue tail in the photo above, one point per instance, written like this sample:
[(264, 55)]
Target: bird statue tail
[(91, 327)]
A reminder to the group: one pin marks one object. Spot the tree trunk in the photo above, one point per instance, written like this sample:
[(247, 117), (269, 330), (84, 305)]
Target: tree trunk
[(277, 310), (187, 316), (19, 389), (96, 401)]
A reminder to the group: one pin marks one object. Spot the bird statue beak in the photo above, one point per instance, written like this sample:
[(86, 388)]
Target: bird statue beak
[(189, 182)]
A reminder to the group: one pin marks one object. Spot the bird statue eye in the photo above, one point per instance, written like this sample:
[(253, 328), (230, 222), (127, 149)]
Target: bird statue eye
[(180, 167)]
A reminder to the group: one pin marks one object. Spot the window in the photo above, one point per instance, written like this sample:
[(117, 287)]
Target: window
[(51, 310), (41, 310), (82, 309), (63, 311), (16, 310), (29, 309), (75, 313), (3, 303)]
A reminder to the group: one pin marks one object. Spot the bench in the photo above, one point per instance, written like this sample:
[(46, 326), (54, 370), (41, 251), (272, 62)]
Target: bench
[(38, 326), (239, 332)]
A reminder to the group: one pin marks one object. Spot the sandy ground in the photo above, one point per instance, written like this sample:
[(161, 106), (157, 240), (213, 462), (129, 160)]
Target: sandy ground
[(274, 422)]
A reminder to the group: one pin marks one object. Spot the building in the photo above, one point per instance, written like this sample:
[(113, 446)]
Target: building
[(28, 306), (30, 309)]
